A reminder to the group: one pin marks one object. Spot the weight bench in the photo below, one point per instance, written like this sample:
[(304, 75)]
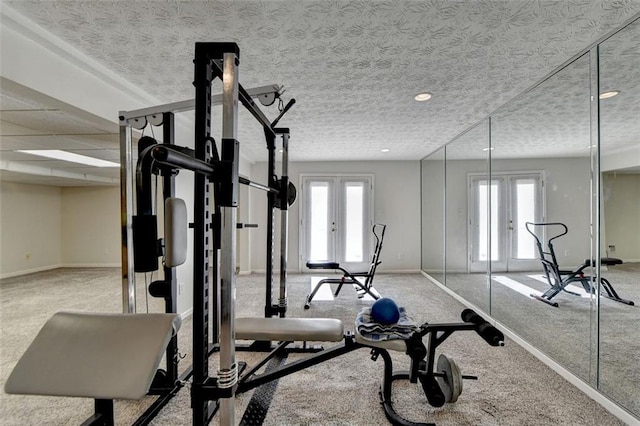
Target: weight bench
[(362, 281), (559, 279), (93, 355), (441, 381), (290, 329)]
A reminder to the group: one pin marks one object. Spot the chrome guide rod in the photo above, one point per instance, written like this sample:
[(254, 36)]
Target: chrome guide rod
[(126, 212), (228, 372)]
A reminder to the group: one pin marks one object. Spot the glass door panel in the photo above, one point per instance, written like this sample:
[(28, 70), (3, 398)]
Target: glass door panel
[(321, 224), (337, 220), (354, 247)]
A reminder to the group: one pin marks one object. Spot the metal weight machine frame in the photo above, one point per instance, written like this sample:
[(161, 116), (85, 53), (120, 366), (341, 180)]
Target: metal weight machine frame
[(138, 119), (221, 60), (213, 60), (215, 228)]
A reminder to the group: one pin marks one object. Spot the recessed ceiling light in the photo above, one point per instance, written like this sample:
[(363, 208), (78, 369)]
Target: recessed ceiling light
[(609, 94), (69, 156), (488, 149), (421, 97), (385, 150)]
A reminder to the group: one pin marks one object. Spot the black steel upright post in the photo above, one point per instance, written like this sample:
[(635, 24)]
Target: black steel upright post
[(284, 220), (202, 82), (271, 206)]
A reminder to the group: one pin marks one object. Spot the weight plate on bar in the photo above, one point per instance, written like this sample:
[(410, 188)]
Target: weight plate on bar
[(292, 194), (451, 380)]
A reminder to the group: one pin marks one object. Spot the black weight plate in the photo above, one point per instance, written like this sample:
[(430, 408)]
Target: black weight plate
[(451, 382)]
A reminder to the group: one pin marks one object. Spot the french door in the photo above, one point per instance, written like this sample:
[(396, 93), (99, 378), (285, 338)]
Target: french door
[(498, 211), (336, 220)]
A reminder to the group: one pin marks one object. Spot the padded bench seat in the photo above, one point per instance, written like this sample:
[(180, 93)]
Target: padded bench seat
[(323, 265), (290, 329), (93, 355), (607, 261)]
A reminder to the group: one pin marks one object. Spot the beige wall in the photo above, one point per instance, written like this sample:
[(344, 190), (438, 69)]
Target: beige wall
[(44, 227), (396, 204), (91, 226), (567, 201), (30, 228), (621, 201)]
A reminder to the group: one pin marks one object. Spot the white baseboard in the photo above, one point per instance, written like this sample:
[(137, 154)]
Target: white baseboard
[(91, 265), (66, 265), (386, 271), (586, 388), (29, 271), (186, 314)]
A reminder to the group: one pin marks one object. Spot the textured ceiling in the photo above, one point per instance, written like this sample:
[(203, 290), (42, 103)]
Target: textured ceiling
[(353, 67)]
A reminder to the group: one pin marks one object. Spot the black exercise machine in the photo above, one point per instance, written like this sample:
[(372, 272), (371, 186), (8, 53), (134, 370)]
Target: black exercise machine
[(441, 380), (126, 374), (362, 281), (211, 395), (558, 278)]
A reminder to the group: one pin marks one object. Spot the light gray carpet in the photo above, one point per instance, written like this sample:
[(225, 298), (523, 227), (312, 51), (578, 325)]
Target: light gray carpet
[(568, 333), (513, 388)]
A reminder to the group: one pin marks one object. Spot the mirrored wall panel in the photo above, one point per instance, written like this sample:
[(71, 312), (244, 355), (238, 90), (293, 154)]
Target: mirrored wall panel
[(467, 207), (432, 175), (620, 216), (540, 172), (542, 217)]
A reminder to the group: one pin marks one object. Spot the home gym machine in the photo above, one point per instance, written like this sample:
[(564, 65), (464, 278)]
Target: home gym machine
[(214, 227), (125, 349), (141, 245), (560, 279), (215, 223)]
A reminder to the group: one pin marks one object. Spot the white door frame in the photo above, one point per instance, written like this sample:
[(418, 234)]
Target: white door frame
[(339, 217), (507, 261)]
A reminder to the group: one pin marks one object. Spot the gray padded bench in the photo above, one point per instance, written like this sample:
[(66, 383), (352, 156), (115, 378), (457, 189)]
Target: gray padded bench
[(290, 329), (304, 329), (93, 355)]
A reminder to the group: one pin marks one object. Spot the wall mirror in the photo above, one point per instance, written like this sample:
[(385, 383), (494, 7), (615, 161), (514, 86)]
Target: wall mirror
[(433, 188), (620, 215), (540, 172), (547, 157), (467, 214)]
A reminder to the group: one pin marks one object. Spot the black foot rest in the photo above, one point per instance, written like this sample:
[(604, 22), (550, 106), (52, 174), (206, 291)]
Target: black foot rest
[(608, 261), (101, 356), (323, 265)]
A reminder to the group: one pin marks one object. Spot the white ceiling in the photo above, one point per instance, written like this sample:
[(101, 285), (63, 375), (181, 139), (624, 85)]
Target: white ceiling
[(31, 120), (352, 66)]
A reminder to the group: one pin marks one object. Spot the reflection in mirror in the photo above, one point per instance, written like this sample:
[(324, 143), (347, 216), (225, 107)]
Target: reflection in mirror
[(541, 171), (620, 215), (467, 215), (432, 176)]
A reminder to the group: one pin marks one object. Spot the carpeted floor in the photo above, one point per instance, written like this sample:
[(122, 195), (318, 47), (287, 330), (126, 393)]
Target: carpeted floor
[(568, 333), (514, 388)]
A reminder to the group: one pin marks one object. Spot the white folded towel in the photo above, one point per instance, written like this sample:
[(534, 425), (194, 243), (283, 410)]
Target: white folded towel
[(376, 332)]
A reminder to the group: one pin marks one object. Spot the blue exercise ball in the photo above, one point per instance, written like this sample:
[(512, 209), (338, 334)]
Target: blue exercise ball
[(385, 311)]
